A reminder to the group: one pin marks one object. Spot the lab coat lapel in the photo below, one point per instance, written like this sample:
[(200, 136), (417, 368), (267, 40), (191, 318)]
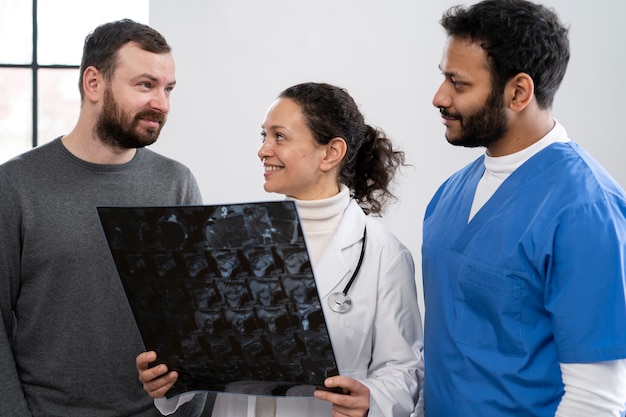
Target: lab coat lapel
[(334, 266)]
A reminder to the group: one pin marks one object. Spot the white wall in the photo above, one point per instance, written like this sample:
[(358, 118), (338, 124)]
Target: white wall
[(234, 56)]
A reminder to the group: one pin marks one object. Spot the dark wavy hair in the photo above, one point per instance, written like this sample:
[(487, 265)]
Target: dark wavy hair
[(371, 161), (101, 46), (518, 36)]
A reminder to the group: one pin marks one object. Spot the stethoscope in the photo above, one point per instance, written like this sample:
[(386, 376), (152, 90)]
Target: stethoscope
[(340, 302)]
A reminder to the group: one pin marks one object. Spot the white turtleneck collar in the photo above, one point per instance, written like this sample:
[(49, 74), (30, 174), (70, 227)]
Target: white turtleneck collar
[(320, 220), (498, 169)]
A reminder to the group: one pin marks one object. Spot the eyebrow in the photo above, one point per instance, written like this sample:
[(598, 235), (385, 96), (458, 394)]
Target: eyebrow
[(151, 78), (273, 127), (448, 73)]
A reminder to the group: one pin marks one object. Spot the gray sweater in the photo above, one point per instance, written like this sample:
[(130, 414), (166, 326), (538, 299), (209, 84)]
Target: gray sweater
[(68, 340)]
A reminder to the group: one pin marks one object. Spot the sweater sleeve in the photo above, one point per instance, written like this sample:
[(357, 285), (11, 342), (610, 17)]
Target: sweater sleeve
[(593, 389), (193, 191), (13, 403)]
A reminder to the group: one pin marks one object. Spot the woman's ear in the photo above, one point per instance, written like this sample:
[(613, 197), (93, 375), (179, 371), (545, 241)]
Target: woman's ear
[(520, 91), (335, 152)]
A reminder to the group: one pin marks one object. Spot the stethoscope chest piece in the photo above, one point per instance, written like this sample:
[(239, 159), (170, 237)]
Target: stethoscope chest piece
[(339, 302)]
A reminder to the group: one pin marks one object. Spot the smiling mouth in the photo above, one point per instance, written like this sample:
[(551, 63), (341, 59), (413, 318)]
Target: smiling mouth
[(151, 122), (271, 168), (447, 121)]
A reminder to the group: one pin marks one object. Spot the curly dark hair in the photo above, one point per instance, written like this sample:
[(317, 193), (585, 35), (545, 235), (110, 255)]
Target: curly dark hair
[(371, 161), (518, 36), (101, 46)]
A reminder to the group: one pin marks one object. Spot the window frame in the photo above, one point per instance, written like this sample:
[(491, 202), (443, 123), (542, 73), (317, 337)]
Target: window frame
[(34, 68)]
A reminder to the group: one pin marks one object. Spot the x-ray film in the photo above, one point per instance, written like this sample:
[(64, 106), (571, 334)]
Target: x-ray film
[(224, 294)]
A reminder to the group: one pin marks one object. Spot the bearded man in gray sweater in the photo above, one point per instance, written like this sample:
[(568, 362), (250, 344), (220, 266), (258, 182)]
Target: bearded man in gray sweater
[(68, 340)]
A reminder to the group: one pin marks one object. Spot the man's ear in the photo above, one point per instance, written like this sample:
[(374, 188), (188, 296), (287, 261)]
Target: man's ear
[(335, 152), (93, 83), (519, 92)]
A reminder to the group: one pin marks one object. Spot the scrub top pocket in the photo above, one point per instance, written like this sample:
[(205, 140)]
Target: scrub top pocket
[(489, 311)]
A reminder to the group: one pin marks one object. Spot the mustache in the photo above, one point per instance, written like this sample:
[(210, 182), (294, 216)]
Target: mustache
[(449, 115), (151, 115)]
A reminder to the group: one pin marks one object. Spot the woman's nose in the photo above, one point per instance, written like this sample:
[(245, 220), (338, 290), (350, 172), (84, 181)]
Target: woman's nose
[(264, 150)]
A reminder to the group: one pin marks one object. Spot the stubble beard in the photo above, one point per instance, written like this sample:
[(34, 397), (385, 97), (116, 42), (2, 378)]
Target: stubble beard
[(116, 128), (482, 128)]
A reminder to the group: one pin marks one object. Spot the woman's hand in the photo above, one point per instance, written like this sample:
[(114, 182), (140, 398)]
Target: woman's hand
[(157, 380), (354, 403)]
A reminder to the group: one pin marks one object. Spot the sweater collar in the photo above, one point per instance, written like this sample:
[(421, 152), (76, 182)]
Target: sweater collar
[(324, 209)]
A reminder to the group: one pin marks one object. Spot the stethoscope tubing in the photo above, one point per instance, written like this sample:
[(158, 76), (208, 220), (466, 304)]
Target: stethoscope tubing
[(340, 302)]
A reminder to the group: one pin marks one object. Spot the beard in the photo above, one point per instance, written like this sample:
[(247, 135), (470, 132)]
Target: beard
[(482, 128), (117, 128)]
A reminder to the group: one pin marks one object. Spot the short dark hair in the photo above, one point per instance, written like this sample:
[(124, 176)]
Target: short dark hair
[(101, 46), (371, 161), (518, 36)]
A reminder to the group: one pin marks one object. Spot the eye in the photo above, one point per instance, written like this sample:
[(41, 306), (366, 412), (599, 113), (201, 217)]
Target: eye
[(263, 136), (279, 137), (456, 84)]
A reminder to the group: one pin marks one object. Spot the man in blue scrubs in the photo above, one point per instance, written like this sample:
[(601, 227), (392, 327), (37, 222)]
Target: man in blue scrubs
[(524, 250)]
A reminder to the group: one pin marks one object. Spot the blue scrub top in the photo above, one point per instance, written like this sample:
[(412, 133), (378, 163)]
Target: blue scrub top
[(537, 277)]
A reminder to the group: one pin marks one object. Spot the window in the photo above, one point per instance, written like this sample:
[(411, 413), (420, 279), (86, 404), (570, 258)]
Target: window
[(40, 51)]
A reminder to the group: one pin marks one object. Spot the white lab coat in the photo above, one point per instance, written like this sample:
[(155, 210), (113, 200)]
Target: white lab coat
[(379, 341)]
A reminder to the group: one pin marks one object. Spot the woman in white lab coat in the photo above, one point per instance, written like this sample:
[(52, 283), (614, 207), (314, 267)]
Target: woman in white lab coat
[(318, 150)]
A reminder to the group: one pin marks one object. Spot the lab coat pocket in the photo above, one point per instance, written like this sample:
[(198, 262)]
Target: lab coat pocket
[(350, 352), (489, 308)]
